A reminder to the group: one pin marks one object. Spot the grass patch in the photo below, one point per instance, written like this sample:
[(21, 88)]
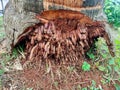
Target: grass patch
[(107, 64)]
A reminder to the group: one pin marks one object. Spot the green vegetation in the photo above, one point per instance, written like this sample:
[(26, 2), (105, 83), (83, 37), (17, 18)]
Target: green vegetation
[(117, 87), (107, 64), (102, 60), (112, 10), (86, 66), (7, 57), (92, 87)]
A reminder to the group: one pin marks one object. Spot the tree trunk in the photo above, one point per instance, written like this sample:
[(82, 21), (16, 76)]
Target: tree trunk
[(19, 14), (89, 7)]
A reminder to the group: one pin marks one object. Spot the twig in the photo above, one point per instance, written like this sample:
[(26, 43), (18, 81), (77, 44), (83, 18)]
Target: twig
[(31, 54), (80, 82), (43, 20)]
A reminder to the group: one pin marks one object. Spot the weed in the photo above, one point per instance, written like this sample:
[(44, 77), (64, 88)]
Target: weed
[(7, 58), (117, 87), (84, 88), (91, 53), (101, 68), (1, 71), (2, 35), (86, 66), (14, 53), (18, 50), (112, 10), (110, 66), (92, 86)]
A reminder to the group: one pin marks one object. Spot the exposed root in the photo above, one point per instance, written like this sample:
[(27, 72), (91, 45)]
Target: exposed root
[(61, 38)]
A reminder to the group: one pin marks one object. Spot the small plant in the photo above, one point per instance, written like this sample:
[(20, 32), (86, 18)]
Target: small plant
[(85, 88), (91, 52), (14, 53), (101, 68), (91, 55), (86, 66), (112, 10), (92, 86), (1, 71), (109, 65), (7, 57), (117, 87)]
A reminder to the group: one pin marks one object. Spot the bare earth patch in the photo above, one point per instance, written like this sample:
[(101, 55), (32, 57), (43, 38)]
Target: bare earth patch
[(52, 77)]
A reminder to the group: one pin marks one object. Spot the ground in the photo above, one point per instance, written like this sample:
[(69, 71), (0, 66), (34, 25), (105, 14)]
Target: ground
[(40, 76), (54, 77)]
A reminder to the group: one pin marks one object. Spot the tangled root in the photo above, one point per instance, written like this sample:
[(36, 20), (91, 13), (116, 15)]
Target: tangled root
[(62, 39)]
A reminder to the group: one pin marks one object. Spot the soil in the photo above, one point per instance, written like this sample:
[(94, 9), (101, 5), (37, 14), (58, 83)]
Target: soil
[(52, 77), (40, 76)]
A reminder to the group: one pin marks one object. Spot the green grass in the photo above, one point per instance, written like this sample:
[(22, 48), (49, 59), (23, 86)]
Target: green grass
[(107, 64)]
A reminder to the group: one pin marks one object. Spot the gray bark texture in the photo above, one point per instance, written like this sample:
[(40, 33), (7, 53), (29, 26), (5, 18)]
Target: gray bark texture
[(20, 14)]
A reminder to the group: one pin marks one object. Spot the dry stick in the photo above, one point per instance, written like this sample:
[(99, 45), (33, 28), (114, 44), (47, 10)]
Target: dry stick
[(30, 57), (80, 82)]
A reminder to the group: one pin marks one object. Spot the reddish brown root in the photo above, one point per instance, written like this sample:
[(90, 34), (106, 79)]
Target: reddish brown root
[(62, 38)]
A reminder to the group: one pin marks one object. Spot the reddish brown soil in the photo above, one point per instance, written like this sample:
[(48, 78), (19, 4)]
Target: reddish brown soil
[(39, 76), (66, 79)]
